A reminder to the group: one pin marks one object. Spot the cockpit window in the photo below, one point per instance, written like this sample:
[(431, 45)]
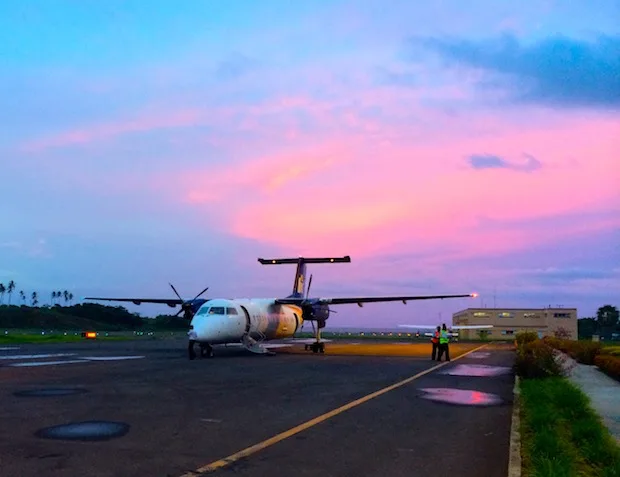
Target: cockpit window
[(231, 311), (202, 311), (217, 310)]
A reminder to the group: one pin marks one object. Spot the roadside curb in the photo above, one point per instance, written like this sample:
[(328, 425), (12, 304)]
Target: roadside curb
[(514, 459)]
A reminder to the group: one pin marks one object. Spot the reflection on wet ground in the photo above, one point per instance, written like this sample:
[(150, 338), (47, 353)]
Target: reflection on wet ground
[(479, 355), (85, 431), (463, 397), (49, 392), (476, 370)]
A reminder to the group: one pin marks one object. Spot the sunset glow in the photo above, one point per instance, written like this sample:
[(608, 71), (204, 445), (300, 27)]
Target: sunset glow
[(443, 156)]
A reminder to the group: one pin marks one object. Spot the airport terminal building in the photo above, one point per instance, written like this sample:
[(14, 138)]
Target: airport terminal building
[(507, 322)]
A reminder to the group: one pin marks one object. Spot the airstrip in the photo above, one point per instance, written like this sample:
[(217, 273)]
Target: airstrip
[(140, 408)]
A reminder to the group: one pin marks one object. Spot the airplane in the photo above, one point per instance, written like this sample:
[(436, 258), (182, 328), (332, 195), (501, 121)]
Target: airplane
[(450, 328), (252, 321)]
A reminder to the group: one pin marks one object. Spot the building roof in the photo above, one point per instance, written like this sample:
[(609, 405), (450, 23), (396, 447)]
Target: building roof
[(514, 309)]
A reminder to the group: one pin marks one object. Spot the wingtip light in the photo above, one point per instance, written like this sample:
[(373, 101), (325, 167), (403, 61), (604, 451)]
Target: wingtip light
[(474, 295)]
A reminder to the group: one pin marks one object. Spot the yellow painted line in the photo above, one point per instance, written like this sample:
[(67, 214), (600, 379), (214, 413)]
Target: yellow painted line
[(218, 464)]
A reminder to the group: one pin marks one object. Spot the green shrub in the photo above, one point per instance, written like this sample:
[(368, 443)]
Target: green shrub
[(586, 352), (610, 365), (526, 337), (582, 351), (536, 359)]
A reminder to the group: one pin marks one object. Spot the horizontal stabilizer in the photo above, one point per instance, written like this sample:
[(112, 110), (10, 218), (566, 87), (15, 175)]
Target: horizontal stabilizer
[(283, 261)]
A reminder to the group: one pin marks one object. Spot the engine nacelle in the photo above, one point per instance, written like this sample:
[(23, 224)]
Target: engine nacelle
[(315, 312)]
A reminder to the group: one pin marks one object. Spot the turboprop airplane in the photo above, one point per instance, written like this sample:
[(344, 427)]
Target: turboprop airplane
[(252, 321)]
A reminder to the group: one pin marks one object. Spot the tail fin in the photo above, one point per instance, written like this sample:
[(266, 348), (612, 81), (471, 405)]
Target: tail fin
[(300, 275)]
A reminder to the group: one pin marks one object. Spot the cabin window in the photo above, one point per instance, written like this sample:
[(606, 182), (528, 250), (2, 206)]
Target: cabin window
[(231, 311), (217, 310)]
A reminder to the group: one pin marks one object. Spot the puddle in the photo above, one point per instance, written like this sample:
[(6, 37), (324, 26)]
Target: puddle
[(476, 370), (85, 431), (50, 392), (463, 397), (478, 355)]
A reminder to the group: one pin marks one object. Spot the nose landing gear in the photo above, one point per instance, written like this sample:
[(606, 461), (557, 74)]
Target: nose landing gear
[(206, 350)]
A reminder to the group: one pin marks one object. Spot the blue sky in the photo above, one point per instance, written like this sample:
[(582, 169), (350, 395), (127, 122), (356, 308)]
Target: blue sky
[(447, 148)]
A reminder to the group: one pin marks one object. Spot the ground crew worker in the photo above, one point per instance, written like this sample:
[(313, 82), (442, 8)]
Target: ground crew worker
[(435, 341), (443, 343)]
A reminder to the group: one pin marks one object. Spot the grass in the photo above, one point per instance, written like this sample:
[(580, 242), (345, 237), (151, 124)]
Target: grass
[(561, 434)]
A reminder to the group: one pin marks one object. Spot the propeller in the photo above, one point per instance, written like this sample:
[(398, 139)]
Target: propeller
[(186, 306)]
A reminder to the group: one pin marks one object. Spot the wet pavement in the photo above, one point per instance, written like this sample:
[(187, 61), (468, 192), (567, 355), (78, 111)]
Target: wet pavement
[(165, 415)]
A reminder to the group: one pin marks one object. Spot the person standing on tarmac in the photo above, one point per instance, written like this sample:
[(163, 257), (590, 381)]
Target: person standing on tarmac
[(443, 343), (435, 341)]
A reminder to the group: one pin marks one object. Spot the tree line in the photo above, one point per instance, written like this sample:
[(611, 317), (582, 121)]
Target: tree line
[(607, 321), (55, 296)]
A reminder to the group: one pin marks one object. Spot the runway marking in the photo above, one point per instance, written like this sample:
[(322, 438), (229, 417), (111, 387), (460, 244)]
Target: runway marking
[(36, 356), (45, 363), (218, 464), (8, 348), (109, 358)]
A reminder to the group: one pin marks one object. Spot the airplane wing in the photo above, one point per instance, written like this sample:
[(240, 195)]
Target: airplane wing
[(367, 299), (172, 302), (456, 327)]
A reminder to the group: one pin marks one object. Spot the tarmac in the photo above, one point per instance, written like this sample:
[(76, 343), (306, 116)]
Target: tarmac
[(142, 408)]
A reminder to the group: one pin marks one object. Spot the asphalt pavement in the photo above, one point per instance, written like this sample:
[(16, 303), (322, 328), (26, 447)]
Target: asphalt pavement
[(174, 417)]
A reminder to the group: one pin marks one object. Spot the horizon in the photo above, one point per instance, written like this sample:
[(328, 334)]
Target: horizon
[(448, 149)]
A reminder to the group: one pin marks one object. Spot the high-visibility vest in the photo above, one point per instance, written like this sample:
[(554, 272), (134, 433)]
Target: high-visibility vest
[(443, 338), (435, 338)]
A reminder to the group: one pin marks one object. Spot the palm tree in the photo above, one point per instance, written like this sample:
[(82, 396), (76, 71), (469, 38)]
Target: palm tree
[(22, 295), (58, 295), (71, 298), (10, 289), (35, 301), (53, 298), (66, 296), (2, 290)]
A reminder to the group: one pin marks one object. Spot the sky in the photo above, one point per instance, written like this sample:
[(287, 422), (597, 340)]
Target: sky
[(447, 147)]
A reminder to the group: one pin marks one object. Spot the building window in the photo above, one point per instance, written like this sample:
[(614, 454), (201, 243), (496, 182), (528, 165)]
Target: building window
[(531, 315), (561, 315), (508, 332), (505, 314), (481, 313)]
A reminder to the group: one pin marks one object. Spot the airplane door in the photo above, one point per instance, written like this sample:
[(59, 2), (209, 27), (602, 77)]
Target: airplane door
[(248, 323)]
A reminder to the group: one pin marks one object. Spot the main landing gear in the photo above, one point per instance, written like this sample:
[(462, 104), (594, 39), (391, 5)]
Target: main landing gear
[(206, 350), (316, 347)]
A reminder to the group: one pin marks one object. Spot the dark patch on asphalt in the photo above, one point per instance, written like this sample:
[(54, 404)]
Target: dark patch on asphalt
[(481, 370), (50, 392), (85, 431), (461, 397)]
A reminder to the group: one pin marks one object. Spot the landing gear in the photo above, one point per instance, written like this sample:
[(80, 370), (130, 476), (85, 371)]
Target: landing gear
[(206, 350), (316, 347)]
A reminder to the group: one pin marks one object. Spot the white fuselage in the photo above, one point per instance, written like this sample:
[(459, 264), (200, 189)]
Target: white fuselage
[(222, 321)]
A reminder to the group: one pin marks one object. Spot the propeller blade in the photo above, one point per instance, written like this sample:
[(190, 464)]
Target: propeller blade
[(309, 285), (176, 293), (201, 293)]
